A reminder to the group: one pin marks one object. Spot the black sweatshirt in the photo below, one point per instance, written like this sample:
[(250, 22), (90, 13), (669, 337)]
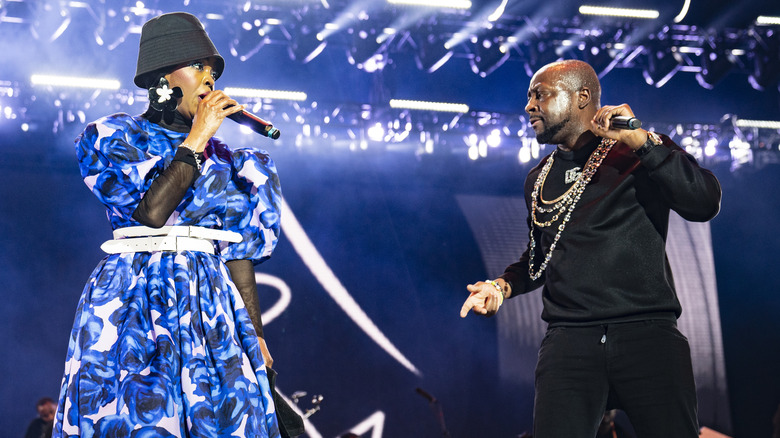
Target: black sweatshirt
[(610, 263)]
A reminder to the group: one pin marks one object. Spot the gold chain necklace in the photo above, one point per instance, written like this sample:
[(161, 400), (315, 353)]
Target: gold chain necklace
[(564, 203), (559, 198)]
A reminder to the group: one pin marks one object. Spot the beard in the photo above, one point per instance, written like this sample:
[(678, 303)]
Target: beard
[(548, 135)]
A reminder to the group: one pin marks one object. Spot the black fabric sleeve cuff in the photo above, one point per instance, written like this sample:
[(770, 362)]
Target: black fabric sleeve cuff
[(186, 155)]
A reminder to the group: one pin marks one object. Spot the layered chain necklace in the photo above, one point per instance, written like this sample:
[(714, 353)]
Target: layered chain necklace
[(563, 204)]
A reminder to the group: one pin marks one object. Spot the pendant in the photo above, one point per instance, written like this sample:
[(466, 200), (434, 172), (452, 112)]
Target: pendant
[(572, 175)]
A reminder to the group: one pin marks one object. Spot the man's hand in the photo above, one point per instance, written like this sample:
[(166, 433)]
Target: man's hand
[(484, 299), (600, 126)]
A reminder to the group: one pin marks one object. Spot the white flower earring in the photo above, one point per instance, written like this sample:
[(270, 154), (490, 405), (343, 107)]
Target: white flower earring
[(163, 98)]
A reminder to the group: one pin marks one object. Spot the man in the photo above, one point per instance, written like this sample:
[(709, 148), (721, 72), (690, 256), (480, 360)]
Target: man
[(41, 427), (598, 214)]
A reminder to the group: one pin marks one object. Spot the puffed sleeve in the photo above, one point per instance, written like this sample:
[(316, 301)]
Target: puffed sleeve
[(115, 165), (254, 206)]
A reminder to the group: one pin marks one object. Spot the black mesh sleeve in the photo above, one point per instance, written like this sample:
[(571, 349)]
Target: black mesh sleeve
[(167, 190), (243, 274)]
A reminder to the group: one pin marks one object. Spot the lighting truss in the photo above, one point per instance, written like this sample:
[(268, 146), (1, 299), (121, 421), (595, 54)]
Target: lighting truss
[(443, 32)]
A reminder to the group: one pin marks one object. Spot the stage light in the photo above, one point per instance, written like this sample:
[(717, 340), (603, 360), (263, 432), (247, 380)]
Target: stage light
[(376, 132), (489, 53), (524, 154), (741, 153), (683, 12), (75, 82), (494, 138), (766, 20), (454, 4), (431, 52), (498, 12), (760, 124), (766, 52), (482, 148), (265, 94), (473, 152), (619, 12), (662, 64), (429, 106), (368, 50), (715, 64)]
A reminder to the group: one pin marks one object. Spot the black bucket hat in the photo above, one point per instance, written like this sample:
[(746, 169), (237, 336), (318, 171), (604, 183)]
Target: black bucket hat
[(169, 40)]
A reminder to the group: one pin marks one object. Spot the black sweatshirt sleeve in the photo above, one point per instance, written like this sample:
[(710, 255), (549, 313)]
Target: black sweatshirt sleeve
[(167, 190), (690, 190)]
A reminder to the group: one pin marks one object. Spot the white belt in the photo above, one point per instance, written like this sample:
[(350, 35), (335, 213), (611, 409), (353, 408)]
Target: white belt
[(170, 238)]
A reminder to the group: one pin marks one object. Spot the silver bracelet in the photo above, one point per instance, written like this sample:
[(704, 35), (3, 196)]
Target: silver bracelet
[(498, 288), (195, 154)]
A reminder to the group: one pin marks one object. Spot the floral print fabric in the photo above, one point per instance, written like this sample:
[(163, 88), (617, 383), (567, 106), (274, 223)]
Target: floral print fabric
[(162, 345)]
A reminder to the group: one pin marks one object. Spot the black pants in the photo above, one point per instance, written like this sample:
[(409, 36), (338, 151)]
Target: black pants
[(643, 368)]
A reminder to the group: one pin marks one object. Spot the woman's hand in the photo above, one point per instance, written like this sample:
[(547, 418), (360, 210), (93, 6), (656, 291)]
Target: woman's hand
[(269, 361), (212, 110)]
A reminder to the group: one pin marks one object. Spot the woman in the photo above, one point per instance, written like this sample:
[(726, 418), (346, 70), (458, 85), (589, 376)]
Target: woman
[(167, 339)]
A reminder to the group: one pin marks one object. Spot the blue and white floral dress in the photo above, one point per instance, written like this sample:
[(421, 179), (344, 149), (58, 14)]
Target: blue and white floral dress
[(162, 345)]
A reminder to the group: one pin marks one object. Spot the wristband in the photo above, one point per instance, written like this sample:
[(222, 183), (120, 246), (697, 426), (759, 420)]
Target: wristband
[(498, 288), (653, 140)]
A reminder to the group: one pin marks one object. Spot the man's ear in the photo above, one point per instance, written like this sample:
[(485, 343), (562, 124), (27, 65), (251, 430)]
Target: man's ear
[(583, 97)]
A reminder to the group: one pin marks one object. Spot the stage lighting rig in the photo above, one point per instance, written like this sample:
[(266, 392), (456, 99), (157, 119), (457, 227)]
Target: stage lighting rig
[(304, 34), (369, 43), (249, 31), (491, 50), (50, 20), (765, 50), (716, 62), (662, 64), (431, 52), (114, 24), (537, 53)]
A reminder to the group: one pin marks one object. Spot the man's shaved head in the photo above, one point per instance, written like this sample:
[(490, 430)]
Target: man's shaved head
[(576, 75), (563, 98)]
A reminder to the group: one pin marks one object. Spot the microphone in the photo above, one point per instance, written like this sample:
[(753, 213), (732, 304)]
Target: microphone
[(425, 394), (625, 122), (257, 124)]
